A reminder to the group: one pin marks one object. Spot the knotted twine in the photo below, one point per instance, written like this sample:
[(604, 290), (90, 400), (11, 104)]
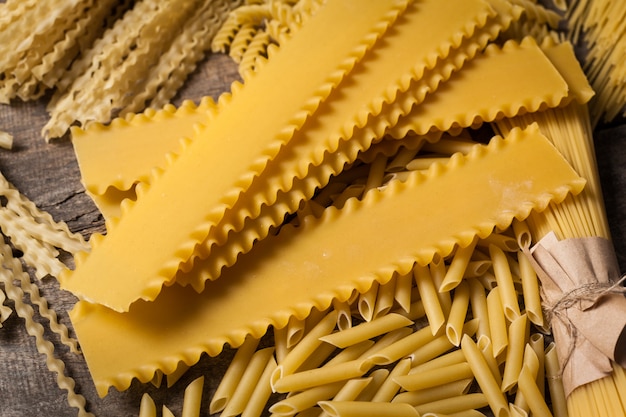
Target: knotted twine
[(584, 303)]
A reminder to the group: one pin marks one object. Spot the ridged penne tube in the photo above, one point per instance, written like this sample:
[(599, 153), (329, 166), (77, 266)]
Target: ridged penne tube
[(166, 412), (309, 343), (378, 377), (280, 343), (436, 393), (402, 347), (428, 294), (404, 283), (262, 392), (321, 355), (531, 363), (385, 298), (302, 400), (416, 310), (249, 380), (495, 397), (294, 331), (365, 409), (537, 343), (478, 304), (192, 398), (350, 391), (502, 271), (555, 383), (438, 270), (435, 377), (518, 337), (455, 405), (367, 302), (464, 413), (451, 358), (456, 319), (147, 408), (431, 350), (344, 314), (497, 322), (530, 290), (389, 387), (532, 395), (327, 374), (484, 345), (477, 268), (367, 330), (457, 267), (232, 376), (386, 341), (504, 242)]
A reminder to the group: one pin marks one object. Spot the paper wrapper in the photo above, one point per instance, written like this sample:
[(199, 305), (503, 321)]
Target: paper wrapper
[(588, 311)]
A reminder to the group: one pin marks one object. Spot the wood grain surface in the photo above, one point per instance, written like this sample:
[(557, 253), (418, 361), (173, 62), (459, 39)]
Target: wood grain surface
[(48, 174)]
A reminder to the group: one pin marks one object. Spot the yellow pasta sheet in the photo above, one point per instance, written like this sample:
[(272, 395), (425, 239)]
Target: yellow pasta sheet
[(191, 195), (286, 275)]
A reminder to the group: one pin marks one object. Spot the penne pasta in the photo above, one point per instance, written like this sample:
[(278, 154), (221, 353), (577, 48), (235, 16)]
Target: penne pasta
[(233, 374), (147, 408), (378, 377), (530, 290), (389, 388), (404, 284), (365, 409), (518, 336), (453, 405), (436, 393), (309, 343), (261, 393), (192, 398), (367, 302), (249, 380), (434, 377), (487, 382), (456, 319), (478, 303), (502, 271), (306, 399), (320, 376), (428, 294), (497, 322), (367, 330), (438, 270), (402, 347), (457, 267)]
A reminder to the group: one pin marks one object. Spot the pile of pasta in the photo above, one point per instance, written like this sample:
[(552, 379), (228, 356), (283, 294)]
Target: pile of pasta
[(599, 27), (422, 301), (102, 59), (454, 331), (38, 238)]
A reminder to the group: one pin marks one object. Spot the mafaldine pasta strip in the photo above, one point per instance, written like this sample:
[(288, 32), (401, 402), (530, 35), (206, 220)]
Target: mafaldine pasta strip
[(100, 166), (170, 125), (326, 258), (294, 81), (478, 71), (324, 146)]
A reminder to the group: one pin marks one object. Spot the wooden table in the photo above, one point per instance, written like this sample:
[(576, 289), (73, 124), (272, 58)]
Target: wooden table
[(48, 174)]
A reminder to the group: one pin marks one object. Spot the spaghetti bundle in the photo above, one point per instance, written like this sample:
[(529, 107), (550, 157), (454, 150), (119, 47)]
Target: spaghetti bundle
[(580, 216), (600, 26)]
